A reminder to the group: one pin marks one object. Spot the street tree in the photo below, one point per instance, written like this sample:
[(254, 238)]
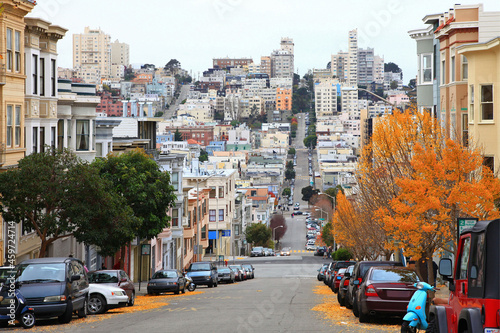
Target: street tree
[(146, 189), (177, 135), (291, 151), (57, 196), (289, 165), (258, 234), (278, 224), (327, 234), (289, 174), (286, 192), (310, 141), (308, 192), (203, 155)]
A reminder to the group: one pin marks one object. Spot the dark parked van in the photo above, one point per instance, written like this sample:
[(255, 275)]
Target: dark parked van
[(204, 273), (54, 287)]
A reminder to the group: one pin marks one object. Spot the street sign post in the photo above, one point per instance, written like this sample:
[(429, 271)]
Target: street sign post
[(465, 223)]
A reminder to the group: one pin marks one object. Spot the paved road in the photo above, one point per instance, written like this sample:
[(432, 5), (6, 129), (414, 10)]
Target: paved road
[(285, 296), (173, 107)]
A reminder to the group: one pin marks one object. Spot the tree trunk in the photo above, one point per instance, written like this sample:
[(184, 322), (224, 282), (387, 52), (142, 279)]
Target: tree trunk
[(122, 258), (43, 249)]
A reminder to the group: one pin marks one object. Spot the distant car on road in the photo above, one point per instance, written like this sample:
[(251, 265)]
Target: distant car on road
[(310, 247), (257, 251), (298, 212)]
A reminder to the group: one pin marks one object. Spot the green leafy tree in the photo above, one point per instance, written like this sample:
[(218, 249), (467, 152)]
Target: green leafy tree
[(311, 141), (291, 151), (177, 135), (286, 192), (289, 174), (235, 123), (308, 192), (258, 234), (394, 84), (145, 187), (342, 254), (289, 165), (203, 155), (327, 234), (58, 196), (333, 191)]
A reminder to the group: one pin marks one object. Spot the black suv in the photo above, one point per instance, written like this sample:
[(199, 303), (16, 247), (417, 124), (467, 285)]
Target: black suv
[(357, 277), (54, 287), (203, 273)]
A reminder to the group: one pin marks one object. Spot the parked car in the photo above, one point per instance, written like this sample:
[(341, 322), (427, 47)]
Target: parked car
[(104, 297), (320, 250), (238, 275), (298, 212), (311, 247), (269, 252), (328, 273), (385, 291), (117, 278), (357, 278), (226, 274), (241, 270), (344, 285), (257, 251), (337, 276), (285, 251), (321, 272), (250, 270), (339, 265), (54, 287), (203, 273), (167, 280)]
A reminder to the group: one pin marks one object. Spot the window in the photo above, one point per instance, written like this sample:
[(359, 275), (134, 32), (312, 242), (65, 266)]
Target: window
[(465, 129), (17, 137), (471, 104), (464, 260), (221, 214), (53, 137), (443, 71), (487, 102), (204, 232), (175, 218), (478, 260), (42, 139), (9, 125), (35, 139), (489, 161), (175, 180), (42, 76), (53, 71), (98, 149), (212, 215), (60, 134), (9, 49), (18, 50), (82, 135), (221, 191), (452, 69), (213, 192), (465, 68), (34, 83)]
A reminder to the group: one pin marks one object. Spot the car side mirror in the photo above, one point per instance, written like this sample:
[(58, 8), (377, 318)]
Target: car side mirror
[(75, 278), (445, 267)]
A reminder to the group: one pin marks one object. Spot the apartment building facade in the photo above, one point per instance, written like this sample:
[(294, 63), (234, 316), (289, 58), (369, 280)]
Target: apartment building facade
[(92, 55)]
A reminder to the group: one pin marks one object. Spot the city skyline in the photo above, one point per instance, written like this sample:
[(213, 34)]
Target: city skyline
[(220, 28)]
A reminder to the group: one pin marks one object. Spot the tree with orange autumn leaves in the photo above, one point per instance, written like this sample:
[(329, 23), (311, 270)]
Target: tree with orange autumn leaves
[(413, 184)]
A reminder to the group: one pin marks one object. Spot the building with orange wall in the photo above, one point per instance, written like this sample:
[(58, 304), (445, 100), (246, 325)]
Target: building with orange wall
[(283, 99)]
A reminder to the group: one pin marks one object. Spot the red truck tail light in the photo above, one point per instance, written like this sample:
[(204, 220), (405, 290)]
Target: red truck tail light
[(346, 282), (370, 291)]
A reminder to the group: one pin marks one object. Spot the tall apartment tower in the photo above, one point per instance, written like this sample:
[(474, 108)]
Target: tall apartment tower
[(352, 60), (120, 58), (92, 55), (265, 65), (339, 66), (282, 60), (366, 59)]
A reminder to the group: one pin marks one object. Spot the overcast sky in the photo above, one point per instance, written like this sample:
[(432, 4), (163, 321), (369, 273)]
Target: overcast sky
[(195, 31)]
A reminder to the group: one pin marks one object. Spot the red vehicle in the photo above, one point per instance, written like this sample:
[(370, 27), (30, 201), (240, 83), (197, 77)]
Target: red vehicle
[(336, 279), (474, 302)]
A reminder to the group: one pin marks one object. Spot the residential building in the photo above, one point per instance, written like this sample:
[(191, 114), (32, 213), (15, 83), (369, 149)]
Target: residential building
[(40, 124), (111, 106), (325, 96), (282, 60), (283, 99), (120, 54), (201, 133), (483, 84), (231, 62), (265, 65), (352, 60), (92, 55), (366, 66)]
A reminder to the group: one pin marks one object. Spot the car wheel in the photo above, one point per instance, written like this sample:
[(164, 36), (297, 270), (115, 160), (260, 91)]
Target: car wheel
[(215, 284), (341, 300), (363, 318), (355, 309), (184, 289), (211, 284), (433, 327), (132, 299), (335, 290), (82, 313), (176, 292), (67, 315), (28, 319), (97, 304)]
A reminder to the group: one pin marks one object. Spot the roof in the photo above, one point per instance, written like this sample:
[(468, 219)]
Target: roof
[(193, 142)]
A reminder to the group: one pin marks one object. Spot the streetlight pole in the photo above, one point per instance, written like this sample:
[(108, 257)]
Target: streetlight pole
[(274, 229)]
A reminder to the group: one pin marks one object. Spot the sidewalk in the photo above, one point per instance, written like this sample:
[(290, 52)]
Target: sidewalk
[(144, 288)]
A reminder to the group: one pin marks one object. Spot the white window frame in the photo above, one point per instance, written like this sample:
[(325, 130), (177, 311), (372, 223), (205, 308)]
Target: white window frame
[(423, 69), (492, 102)]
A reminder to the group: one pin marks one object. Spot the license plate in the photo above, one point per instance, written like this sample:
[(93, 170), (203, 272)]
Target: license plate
[(491, 330)]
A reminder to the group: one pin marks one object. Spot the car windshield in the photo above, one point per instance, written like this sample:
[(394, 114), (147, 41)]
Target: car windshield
[(103, 277), (165, 275), (39, 273), (342, 271), (199, 267), (393, 275), (223, 270), (257, 249), (235, 266)]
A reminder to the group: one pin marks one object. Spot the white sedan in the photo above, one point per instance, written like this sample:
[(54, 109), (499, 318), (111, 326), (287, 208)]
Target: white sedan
[(103, 297)]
